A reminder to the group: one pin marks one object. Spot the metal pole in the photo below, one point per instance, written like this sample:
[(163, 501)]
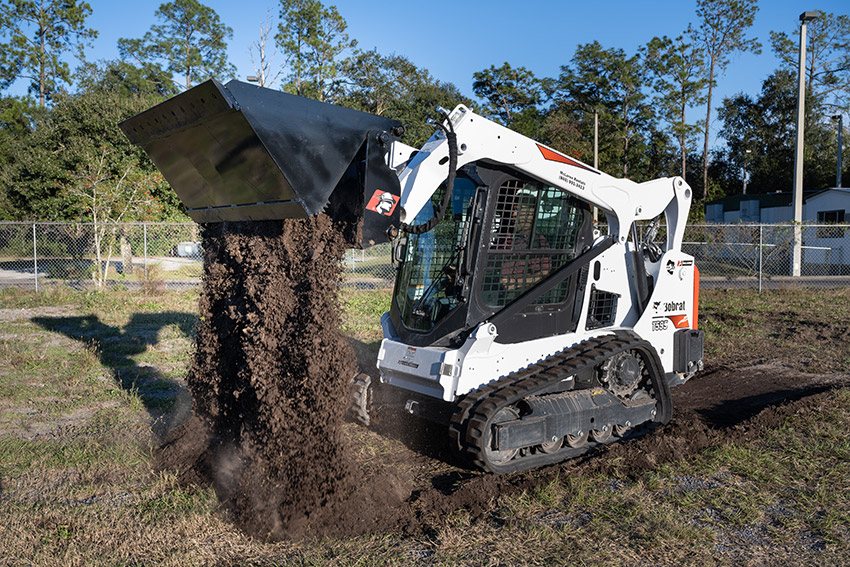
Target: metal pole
[(595, 153), (761, 239), (796, 258), (595, 139), (34, 258), (840, 144), (145, 237)]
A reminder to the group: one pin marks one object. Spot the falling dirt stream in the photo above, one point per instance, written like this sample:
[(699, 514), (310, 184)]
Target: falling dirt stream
[(270, 378)]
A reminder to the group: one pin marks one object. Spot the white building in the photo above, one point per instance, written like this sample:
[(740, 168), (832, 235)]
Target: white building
[(826, 249), (827, 206)]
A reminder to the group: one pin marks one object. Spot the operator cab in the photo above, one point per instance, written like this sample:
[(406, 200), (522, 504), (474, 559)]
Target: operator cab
[(503, 234)]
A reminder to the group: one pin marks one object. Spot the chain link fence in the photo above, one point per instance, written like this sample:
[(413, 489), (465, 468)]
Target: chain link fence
[(762, 256), (168, 256), (134, 256), (101, 256)]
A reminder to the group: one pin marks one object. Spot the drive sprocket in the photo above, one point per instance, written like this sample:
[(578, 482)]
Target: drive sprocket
[(622, 374)]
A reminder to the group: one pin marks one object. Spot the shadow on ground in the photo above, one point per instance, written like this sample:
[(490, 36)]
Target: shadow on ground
[(166, 400), (729, 413)]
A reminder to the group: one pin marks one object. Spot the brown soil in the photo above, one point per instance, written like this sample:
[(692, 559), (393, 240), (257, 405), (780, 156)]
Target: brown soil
[(415, 487), (270, 380), (719, 405)]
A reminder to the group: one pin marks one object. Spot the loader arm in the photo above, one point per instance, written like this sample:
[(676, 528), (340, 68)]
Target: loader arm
[(623, 200)]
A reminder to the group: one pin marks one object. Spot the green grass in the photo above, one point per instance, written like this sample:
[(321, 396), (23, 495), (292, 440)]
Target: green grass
[(362, 310), (17, 454)]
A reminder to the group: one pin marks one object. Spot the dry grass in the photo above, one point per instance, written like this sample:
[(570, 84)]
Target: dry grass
[(81, 397), (812, 328)]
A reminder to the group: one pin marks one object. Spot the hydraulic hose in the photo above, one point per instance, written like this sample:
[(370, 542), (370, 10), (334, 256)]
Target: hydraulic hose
[(440, 211)]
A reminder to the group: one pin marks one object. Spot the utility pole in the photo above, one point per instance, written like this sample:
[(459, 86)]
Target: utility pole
[(840, 143), (596, 139), (796, 260)]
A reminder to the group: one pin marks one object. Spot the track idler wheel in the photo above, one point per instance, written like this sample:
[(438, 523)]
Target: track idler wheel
[(601, 435), (622, 430), (495, 456), (577, 441), (552, 446)]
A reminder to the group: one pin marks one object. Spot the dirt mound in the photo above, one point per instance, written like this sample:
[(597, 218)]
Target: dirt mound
[(270, 380)]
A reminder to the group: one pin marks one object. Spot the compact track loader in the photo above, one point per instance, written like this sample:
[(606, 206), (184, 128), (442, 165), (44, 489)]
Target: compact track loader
[(531, 334)]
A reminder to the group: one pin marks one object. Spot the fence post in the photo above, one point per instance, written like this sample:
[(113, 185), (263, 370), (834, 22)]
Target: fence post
[(34, 258), (145, 233), (761, 229)]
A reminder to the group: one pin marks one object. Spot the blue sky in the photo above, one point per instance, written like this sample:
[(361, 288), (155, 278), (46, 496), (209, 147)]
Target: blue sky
[(454, 39)]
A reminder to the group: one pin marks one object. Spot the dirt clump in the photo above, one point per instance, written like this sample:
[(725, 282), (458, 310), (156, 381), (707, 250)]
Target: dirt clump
[(270, 380)]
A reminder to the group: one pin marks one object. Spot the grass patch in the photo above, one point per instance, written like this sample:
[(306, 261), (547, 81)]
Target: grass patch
[(803, 328), (19, 298), (362, 310), (18, 454), (793, 481), (92, 381)]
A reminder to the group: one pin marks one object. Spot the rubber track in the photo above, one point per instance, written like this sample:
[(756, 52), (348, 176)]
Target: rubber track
[(473, 413)]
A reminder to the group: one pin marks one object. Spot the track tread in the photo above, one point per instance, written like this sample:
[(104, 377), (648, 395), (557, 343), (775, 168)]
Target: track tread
[(474, 412)]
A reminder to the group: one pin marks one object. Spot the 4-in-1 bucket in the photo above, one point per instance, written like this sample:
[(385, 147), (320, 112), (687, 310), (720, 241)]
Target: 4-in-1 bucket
[(239, 152)]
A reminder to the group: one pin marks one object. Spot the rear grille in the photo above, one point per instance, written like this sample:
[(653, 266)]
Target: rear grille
[(602, 309)]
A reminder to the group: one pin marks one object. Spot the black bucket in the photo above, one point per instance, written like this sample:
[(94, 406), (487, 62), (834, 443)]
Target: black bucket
[(238, 152)]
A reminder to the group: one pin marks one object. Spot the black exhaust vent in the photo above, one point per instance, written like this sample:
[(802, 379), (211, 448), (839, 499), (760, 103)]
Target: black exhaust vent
[(602, 309)]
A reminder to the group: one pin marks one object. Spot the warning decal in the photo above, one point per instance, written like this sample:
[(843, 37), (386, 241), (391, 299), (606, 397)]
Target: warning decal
[(382, 202), (552, 155)]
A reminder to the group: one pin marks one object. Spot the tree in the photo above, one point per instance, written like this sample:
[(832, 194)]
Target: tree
[(18, 116), (126, 78), (512, 96), (110, 195), (43, 161), (36, 36), (264, 68), (827, 58), (312, 38), (581, 91), (678, 71), (633, 114), (722, 33), (394, 87), (563, 128), (827, 79), (609, 83), (190, 41), (759, 134)]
